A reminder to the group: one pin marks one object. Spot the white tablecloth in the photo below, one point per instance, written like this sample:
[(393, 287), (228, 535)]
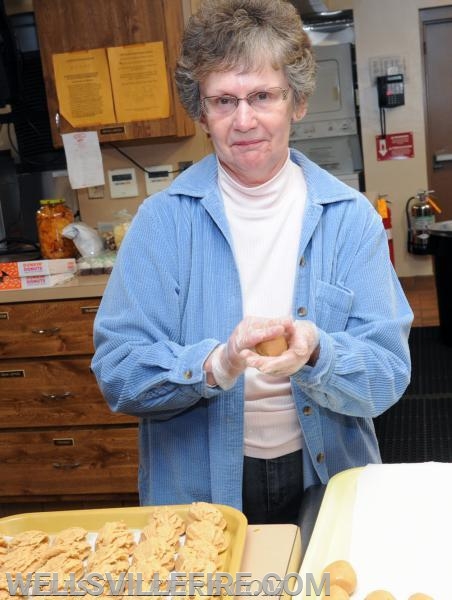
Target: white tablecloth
[(401, 536)]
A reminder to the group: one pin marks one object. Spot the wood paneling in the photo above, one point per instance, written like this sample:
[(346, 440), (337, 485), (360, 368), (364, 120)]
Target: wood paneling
[(421, 294)]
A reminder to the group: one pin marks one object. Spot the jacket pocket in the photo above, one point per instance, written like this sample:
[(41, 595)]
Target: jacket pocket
[(333, 306)]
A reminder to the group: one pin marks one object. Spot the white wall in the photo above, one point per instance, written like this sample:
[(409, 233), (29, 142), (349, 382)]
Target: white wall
[(392, 28)]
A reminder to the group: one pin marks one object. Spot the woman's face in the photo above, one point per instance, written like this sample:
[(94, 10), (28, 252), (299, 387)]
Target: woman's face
[(251, 145)]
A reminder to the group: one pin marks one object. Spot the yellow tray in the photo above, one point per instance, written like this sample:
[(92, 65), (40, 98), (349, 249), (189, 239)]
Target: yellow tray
[(134, 517)]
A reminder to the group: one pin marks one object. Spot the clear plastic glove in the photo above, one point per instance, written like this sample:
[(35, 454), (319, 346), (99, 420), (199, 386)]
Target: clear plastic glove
[(227, 362), (303, 341)]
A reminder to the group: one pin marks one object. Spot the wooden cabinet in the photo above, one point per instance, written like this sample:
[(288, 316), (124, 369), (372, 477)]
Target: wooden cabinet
[(68, 26), (59, 441), (69, 461)]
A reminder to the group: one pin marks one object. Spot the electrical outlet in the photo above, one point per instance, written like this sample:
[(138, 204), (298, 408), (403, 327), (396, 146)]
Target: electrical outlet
[(96, 191)]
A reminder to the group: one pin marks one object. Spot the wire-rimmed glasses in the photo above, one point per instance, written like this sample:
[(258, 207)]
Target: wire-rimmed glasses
[(260, 101)]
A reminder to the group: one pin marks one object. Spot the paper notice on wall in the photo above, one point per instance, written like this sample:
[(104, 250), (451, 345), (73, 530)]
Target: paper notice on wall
[(84, 159), (139, 82), (83, 87)]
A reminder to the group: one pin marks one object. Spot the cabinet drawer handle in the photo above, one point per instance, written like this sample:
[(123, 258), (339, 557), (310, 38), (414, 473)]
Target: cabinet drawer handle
[(45, 396), (67, 466), (87, 310), (48, 331)]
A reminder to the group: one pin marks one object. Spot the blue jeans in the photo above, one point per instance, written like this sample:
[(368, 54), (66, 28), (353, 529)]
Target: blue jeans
[(273, 489)]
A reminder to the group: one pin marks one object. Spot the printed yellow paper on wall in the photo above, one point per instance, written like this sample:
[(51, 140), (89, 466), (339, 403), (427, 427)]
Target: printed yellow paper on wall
[(139, 81), (83, 87)]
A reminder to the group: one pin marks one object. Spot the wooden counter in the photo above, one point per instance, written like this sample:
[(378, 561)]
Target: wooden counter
[(84, 286)]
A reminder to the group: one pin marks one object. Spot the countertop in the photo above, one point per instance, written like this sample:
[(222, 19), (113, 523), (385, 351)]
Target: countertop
[(80, 286)]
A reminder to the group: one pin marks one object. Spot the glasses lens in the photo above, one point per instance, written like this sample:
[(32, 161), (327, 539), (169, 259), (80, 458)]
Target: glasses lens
[(266, 99), (220, 105)]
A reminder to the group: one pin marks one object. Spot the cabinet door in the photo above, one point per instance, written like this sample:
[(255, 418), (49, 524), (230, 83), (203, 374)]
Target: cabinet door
[(52, 393), (69, 461), (60, 327), (89, 24)]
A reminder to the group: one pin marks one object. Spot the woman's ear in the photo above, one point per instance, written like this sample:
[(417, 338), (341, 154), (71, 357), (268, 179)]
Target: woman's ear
[(299, 111), (203, 123)]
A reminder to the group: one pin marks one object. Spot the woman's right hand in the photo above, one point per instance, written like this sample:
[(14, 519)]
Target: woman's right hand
[(226, 362)]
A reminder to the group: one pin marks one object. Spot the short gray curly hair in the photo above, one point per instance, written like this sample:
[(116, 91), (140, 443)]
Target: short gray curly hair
[(225, 34)]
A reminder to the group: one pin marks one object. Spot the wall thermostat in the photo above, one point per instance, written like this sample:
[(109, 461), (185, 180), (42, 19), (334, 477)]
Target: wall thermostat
[(158, 178), (123, 183)]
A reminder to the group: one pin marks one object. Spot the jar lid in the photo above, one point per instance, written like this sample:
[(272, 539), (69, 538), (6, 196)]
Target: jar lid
[(46, 201)]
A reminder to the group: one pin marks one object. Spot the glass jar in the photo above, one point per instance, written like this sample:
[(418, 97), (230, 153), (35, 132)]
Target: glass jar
[(51, 218)]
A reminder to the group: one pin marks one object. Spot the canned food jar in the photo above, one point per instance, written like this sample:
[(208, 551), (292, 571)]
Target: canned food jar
[(51, 218)]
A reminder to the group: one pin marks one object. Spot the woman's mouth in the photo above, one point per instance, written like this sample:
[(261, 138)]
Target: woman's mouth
[(247, 143)]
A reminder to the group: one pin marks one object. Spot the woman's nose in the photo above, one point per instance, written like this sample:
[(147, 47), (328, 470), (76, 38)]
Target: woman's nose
[(244, 116)]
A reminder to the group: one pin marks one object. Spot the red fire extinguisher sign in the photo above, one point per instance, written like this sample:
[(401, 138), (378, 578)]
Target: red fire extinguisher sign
[(384, 211)]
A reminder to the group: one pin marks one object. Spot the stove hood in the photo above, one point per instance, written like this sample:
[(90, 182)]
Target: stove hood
[(309, 7), (312, 7), (317, 16)]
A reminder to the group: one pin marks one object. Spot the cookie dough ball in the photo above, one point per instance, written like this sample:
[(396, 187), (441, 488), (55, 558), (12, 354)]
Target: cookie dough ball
[(420, 596), (273, 347), (342, 574), (337, 593), (380, 595)]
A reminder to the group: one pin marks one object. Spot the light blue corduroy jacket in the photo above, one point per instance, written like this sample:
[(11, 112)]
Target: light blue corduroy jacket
[(174, 294)]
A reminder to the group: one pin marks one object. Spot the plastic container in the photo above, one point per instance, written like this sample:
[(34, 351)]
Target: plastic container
[(122, 223), (51, 218), (440, 246)]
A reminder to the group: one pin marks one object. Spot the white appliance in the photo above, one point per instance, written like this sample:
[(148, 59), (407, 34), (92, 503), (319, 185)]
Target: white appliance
[(328, 134)]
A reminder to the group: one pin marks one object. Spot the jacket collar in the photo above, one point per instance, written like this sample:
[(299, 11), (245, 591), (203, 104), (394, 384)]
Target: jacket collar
[(200, 181)]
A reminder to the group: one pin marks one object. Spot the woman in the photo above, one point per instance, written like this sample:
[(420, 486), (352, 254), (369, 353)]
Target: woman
[(251, 243)]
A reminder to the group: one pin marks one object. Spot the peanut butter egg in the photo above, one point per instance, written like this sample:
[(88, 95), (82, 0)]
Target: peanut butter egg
[(380, 595), (342, 574), (337, 593), (273, 347)]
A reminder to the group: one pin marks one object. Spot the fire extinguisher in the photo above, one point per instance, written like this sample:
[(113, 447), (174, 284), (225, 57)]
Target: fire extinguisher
[(384, 211), (420, 214)]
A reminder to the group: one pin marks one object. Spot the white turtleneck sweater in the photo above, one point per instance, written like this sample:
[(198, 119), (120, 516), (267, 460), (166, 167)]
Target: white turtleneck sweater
[(265, 223)]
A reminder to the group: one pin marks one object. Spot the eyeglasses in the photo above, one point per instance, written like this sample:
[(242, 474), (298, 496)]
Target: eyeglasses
[(260, 101)]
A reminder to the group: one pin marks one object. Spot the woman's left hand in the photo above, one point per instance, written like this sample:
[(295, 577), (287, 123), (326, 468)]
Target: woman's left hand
[(303, 348)]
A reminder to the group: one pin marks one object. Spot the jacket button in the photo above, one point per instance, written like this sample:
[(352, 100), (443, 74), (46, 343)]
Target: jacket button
[(302, 311), (302, 261), (307, 410), (320, 457), (188, 374)]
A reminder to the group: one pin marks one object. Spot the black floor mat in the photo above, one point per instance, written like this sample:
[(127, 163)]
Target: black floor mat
[(419, 427), (431, 360)]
